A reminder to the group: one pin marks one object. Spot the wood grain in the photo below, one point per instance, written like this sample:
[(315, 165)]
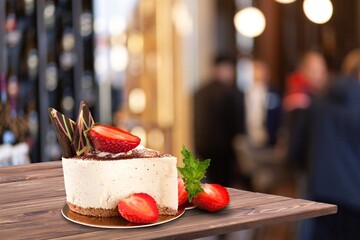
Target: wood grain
[(32, 197), (30, 171), (32, 189)]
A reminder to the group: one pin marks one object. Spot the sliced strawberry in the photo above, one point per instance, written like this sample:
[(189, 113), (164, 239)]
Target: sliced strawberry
[(111, 139), (182, 193), (139, 208), (213, 198)]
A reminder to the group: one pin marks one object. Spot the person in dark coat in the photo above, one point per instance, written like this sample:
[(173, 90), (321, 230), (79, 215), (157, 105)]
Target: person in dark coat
[(333, 154), (218, 118)]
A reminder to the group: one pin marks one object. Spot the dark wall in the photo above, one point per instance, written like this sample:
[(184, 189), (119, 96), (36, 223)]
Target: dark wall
[(225, 39)]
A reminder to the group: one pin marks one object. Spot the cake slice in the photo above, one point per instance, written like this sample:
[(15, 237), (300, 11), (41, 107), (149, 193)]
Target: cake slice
[(104, 164), (95, 182)]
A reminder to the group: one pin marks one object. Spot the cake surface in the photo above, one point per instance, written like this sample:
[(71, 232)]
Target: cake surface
[(95, 182)]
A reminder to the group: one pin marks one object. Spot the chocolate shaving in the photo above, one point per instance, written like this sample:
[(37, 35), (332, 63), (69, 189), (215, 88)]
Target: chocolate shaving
[(85, 121), (64, 128)]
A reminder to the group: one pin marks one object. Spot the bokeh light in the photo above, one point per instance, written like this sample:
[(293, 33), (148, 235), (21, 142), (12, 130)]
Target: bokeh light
[(119, 58), (250, 22), (318, 11), (285, 1), (141, 133), (156, 139), (135, 43), (137, 100)]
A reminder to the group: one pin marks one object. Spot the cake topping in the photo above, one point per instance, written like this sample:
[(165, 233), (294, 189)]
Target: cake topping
[(134, 153), (111, 139), (64, 128), (84, 122), (84, 136)]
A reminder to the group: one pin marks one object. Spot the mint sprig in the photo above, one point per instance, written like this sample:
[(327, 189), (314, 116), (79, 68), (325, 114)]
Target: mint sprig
[(193, 171)]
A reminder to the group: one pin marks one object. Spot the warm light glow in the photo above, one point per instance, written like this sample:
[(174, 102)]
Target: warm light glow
[(117, 25), (118, 58), (33, 60), (68, 41), (250, 22), (182, 18), (137, 100), (141, 133), (68, 103), (135, 43), (152, 60), (116, 40), (156, 139), (318, 11), (285, 1)]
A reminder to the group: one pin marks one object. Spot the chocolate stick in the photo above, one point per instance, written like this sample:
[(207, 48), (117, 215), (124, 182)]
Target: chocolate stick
[(64, 128), (84, 122)]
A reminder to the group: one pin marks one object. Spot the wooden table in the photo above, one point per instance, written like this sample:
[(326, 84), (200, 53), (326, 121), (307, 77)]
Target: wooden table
[(32, 196)]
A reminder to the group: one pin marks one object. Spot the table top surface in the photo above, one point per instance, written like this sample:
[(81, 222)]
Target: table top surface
[(33, 195)]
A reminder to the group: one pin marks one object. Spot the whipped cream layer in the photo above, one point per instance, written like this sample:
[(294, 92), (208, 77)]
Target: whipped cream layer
[(95, 183)]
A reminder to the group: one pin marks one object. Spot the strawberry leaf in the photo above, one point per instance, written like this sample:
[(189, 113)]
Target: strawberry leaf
[(193, 171)]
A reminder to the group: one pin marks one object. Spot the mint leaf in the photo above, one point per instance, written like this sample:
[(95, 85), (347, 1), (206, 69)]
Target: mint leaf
[(193, 171)]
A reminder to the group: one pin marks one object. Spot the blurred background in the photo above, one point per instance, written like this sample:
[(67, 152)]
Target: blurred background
[(138, 64)]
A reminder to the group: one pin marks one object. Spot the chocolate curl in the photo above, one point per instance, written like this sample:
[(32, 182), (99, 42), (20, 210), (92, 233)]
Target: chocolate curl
[(64, 128), (85, 121)]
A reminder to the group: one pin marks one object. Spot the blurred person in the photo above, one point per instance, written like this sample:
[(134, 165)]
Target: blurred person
[(263, 108), (306, 82), (219, 117), (332, 133), (256, 151), (303, 86)]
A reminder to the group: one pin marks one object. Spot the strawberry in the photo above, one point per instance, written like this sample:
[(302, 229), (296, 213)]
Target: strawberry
[(182, 193), (139, 208), (111, 139), (213, 198)]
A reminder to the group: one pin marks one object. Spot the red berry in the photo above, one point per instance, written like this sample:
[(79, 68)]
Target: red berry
[(111, 139), (139, 208), (182, 193), (213, 198)]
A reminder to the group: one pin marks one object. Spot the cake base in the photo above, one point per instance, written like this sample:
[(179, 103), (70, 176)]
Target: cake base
[(99, 212)]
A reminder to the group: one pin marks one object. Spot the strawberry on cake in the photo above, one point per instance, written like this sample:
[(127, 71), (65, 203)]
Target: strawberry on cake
[(103, 165)]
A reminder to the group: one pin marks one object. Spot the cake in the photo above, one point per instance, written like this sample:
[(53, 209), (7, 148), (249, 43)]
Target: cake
[(101, 167), (95, 182)]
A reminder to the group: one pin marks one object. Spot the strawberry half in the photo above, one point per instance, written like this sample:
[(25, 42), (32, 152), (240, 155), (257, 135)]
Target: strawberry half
[(182, 193), (111, 139), (139, 208), (213, 198)]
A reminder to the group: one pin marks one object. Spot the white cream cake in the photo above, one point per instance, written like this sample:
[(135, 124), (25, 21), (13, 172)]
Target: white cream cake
[(96, 181)]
